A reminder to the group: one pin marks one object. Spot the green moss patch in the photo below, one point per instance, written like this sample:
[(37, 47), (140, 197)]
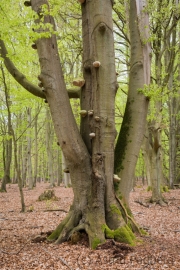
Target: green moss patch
[(123, 234), (96, 241), (115, 209), (149, 188), (164, 189), (108, 232)]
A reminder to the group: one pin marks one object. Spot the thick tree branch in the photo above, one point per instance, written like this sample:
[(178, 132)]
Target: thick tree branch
[(23, 81), (18, 76)]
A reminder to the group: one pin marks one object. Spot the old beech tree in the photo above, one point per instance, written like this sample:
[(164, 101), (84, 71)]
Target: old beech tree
[(89, 153)]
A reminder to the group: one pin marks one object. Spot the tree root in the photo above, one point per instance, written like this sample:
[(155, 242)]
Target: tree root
[(65, 228), (162, 202), (94, 224), (78, 228), (128, 216)]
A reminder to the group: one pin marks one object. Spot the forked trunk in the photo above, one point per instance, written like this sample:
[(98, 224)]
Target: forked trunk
[(89, 158)]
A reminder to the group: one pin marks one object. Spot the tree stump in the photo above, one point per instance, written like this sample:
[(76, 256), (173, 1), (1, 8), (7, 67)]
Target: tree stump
[(48, 195)]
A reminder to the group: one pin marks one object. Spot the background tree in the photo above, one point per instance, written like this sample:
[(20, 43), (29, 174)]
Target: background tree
[(7, 142), (163, 45)]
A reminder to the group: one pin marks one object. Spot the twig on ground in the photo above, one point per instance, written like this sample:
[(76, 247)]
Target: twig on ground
[(51, 210), (16, 253), (143, 204)]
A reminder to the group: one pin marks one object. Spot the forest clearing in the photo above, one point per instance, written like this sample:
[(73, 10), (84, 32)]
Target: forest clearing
[(23, 244)]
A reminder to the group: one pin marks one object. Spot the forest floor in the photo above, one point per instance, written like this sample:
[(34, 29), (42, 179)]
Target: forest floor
[(23, 245)]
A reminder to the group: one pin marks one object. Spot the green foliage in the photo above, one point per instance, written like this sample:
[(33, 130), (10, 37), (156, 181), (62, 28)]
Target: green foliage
[(152, 91)]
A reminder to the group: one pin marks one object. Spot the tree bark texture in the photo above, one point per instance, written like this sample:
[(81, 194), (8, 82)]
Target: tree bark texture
[(66, 174)]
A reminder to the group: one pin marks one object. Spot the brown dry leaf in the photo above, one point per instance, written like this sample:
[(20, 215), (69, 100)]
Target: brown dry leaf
[(18, 251)]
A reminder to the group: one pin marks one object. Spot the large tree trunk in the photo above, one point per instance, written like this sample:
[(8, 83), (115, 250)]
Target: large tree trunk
[(134, 121), (90, 161)]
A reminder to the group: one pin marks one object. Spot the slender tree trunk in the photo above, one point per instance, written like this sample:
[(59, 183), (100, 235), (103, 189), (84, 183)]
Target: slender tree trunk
[(35, 148), (145, 151), (134, 121), (49, 147), (177, 180), (172, 140), (29, 147), (24, 161), (8, 142), (173, 109), (20, 182)]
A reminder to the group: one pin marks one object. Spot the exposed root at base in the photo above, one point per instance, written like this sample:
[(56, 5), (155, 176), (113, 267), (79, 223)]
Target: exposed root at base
[(161, 202), (94, 225), (129, 217)]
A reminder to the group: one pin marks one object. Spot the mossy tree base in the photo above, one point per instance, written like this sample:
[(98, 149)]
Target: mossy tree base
[(2, 190), (95, 227)]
